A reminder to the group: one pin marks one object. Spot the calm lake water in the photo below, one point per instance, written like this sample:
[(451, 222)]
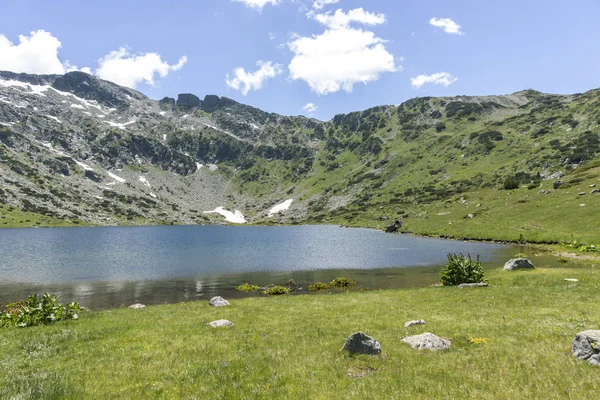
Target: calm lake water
[(112, 266)]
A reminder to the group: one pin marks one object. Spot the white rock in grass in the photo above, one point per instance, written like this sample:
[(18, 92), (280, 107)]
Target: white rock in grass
[(586, 346), (427, 341), (137, 306), (518, 263), (218, 301), (415, 322), (221, 323), (571, 280)]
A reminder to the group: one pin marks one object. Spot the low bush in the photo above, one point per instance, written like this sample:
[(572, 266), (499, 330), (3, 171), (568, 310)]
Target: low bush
[(276, 290), (38, 310), (462, 269), (314, 287), (246, 287), (342, 283)]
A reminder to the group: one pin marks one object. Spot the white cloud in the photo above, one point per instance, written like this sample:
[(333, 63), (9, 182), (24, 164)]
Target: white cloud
[(320, 4), (447, 25), (440, 78), (258, 3), (340, 19), (247, 81), (34, 54), (124, 68), (310, 108), (339, 58)]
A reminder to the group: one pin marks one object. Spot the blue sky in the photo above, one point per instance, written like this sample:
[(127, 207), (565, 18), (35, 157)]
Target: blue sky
[(365, 55)]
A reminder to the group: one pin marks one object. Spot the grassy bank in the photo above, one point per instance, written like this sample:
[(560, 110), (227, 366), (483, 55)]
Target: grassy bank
[(288, 346)]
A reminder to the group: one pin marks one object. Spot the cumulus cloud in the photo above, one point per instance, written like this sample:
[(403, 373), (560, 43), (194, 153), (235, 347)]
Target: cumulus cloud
[(440, 78), (342, 55), (310, 108), (259, 4), (124, 68), (340, 19), (320, 4), (34, 54), (247, 81), (447, 25)]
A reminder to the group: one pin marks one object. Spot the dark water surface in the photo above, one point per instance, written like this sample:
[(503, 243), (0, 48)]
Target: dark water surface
[(112, 266)]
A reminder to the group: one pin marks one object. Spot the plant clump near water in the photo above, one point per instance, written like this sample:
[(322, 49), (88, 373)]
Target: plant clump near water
[(38, 310), (276, 290), (342, 283), (246, 287), (316, 286), (462, 269)]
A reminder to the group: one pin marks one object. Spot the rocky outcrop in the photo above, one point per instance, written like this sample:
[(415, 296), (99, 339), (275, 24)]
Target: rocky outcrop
[(427, 341), (210, 103), (586, 346), (166, 103), (359, 343), (187, 100), (518, 263)]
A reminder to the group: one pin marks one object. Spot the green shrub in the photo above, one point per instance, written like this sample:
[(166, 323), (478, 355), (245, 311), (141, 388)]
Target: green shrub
[(460, 269), (38, 310), (511, 183), (342, 283), (314, 287), (246, 287), (563, 260), (276, 290)]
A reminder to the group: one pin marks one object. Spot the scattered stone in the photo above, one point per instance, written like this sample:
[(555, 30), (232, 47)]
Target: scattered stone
[(544, 192), (137, 306), (582, 193), (218, 302), (473, 285), (518, 263), (360, 372), (415, 322), (221, 323), (586, 346), (571, 280), (394, 227), (470, 216), (595, 191), (593, 185), (557, 184), (359, 343), (427, 341)]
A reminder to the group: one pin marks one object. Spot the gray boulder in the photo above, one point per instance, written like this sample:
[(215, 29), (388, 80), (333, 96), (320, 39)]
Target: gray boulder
[(137, 306), (359, 343), (221, 323), (427, 341), (473, 285), (415, 322), (518, 263), (586, 346), (218, 302), (394, 227)]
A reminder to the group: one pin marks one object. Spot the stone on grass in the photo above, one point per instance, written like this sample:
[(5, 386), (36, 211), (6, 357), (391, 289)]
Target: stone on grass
[(473, 285), (571, 280), (415, 322), (218, 302), (359, 343), (137, 306), (586, 346), (427, 341), (394, 227), (518, 263), (221, 323)]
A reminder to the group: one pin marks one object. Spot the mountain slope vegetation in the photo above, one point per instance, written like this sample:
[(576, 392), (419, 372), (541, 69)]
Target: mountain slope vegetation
[(519, 167)]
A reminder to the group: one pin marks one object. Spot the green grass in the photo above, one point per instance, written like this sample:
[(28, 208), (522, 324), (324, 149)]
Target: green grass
[(12, 217), (288, 346)]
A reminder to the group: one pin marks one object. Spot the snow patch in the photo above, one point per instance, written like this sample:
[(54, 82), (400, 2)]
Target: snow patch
[(198, 166), (35, 89), (7, 123), (115, 177), (79, 106), (152, 195), (53, 118), (212, 167), (281, 207), (120, 126), (164, 136), (162, 112), (144, 181), (235, 217), (84, 166), (13, 104), (185, 116)]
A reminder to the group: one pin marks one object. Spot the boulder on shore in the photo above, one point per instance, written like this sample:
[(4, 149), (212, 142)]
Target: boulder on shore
[(218, 301), (518, 263), (427, 341), (586, 346), (221, 323), (137, 306), (359, 343), (394, 227)]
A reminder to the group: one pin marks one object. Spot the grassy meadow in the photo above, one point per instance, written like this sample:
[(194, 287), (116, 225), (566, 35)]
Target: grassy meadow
[(509, 341)]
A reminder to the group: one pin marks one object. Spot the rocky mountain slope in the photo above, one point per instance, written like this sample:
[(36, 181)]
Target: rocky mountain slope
[(80, 149)]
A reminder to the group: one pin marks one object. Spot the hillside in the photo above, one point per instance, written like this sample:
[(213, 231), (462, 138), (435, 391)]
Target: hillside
[(78, 150)]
